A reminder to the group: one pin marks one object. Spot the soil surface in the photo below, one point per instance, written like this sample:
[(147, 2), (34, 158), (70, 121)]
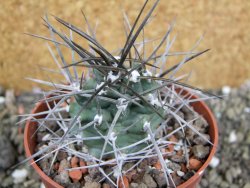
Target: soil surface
[(229, 168)]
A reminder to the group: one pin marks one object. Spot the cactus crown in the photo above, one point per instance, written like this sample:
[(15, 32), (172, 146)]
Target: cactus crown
[(122, 106)]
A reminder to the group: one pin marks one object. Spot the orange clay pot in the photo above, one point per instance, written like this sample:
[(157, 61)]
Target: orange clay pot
[(200, 107)]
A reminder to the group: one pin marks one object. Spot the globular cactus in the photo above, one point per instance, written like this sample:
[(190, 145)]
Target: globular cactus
[(120, 110)]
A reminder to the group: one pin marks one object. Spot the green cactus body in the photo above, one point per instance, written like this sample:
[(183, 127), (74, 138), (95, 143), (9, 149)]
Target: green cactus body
[(129, 127)]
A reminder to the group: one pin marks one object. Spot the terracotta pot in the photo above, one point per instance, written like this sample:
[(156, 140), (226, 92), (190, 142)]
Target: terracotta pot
[(200, 107), (203, 110)]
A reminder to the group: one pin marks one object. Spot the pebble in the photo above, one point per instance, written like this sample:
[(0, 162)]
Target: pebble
[(200, 151), (149, 181), (62, 178), (134, 185), (2, 102), (178, 159), (229, 176), (75, 175), (226, 90), (92, 185), (188, 175), (42, 185), (7, 157), (174, 166), (194, 164), (1, 90), (159, 178), (64, 164), (214, 162), (123, 183), (83, 170), (247, 185), (45, 165), (19, 175), (180, 173), (105, 185), (232, 137), (198, 140), (61, 155)]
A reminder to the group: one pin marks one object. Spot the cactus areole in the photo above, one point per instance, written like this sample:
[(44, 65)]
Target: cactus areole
[(125, 107)]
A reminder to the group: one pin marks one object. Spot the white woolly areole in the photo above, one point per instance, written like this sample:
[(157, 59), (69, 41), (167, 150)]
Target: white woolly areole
[(153, 100), (122, 104), (134, 76), (79, 137), (147, 73), (76, 86), (112, 77), (98, 86), (146, 125), (98, 119), (158, 81), (117, 57), (112, 136)]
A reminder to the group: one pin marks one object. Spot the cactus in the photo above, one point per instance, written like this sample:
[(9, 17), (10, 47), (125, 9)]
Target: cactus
[(121, 107)]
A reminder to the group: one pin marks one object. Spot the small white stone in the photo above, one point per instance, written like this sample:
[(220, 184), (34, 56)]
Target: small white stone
[(232, 137), (69, 158), (46, 137), (226, 90), (247, 110), (170, 171), (214, 162), (2, 100), (42, 185), (167, 161), (180, 173), (19, 175)]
